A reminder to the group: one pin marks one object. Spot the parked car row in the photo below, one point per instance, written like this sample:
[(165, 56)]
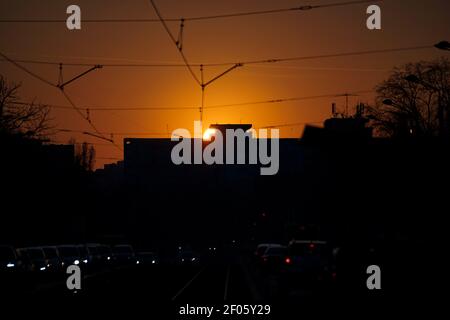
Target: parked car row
[(56, 258)]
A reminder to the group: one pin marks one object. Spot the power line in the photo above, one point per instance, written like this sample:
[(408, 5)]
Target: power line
[(69, 64), (285, 100), (201, 82), (293, 124), (165, 133), (180, 50), (282, 10), (150, 108), (159, 134), (115, 133), (53, 106), (198, 18), (27, 70), (103, 158), (99, 134), (61, 89), (244, 62), (110, 108), (51, 84), (331, 55), (80, 143)]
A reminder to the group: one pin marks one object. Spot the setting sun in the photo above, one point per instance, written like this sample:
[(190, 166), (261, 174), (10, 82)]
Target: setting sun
[(209, 133)]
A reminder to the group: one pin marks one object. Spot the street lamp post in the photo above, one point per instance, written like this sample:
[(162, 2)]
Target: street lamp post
[(443, 45), (442, 125), (403, 123)]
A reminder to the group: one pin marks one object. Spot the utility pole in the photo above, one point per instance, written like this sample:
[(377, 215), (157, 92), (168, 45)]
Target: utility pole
[(204, 84), (203, 94)]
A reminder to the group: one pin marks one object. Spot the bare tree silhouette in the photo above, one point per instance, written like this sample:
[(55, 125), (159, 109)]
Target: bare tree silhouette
[(31, 120), (414, 101)]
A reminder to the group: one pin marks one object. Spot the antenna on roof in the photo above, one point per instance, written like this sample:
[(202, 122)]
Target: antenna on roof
[(360, 109)]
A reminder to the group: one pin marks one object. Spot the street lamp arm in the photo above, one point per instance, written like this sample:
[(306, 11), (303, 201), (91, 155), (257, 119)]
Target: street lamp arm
[(443, 45)]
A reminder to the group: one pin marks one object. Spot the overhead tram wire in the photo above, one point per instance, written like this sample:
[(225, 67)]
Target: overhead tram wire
[(97, 134), (79, 111), (61, 89), (355, 93), (217, 106), (115, 133), (80, 143), (293, 124), (281, 10), (323, 56), (282, 100), (69, 64), (27, 70), (221, 64), (110, 108), (176, 43), (201, 18), (201, 82), (108, 158)]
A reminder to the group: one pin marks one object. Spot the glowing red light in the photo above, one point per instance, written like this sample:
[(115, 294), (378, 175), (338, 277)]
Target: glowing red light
[(312, 246), (287, 260)]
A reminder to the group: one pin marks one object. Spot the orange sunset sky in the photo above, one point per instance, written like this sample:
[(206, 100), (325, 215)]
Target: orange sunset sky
[(405, 23)]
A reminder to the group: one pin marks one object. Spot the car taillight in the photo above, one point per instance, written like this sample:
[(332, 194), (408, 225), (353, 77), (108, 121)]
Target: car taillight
[(287, 260), (312, 245)]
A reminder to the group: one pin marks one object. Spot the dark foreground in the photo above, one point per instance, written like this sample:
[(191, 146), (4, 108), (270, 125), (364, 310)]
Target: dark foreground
[(232, 284)]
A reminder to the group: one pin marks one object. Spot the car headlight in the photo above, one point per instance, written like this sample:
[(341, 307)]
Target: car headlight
[(10, 265), (85, 261), (76, 262)]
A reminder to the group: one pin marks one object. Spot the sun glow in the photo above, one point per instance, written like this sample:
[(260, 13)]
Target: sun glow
[(209, 133)]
